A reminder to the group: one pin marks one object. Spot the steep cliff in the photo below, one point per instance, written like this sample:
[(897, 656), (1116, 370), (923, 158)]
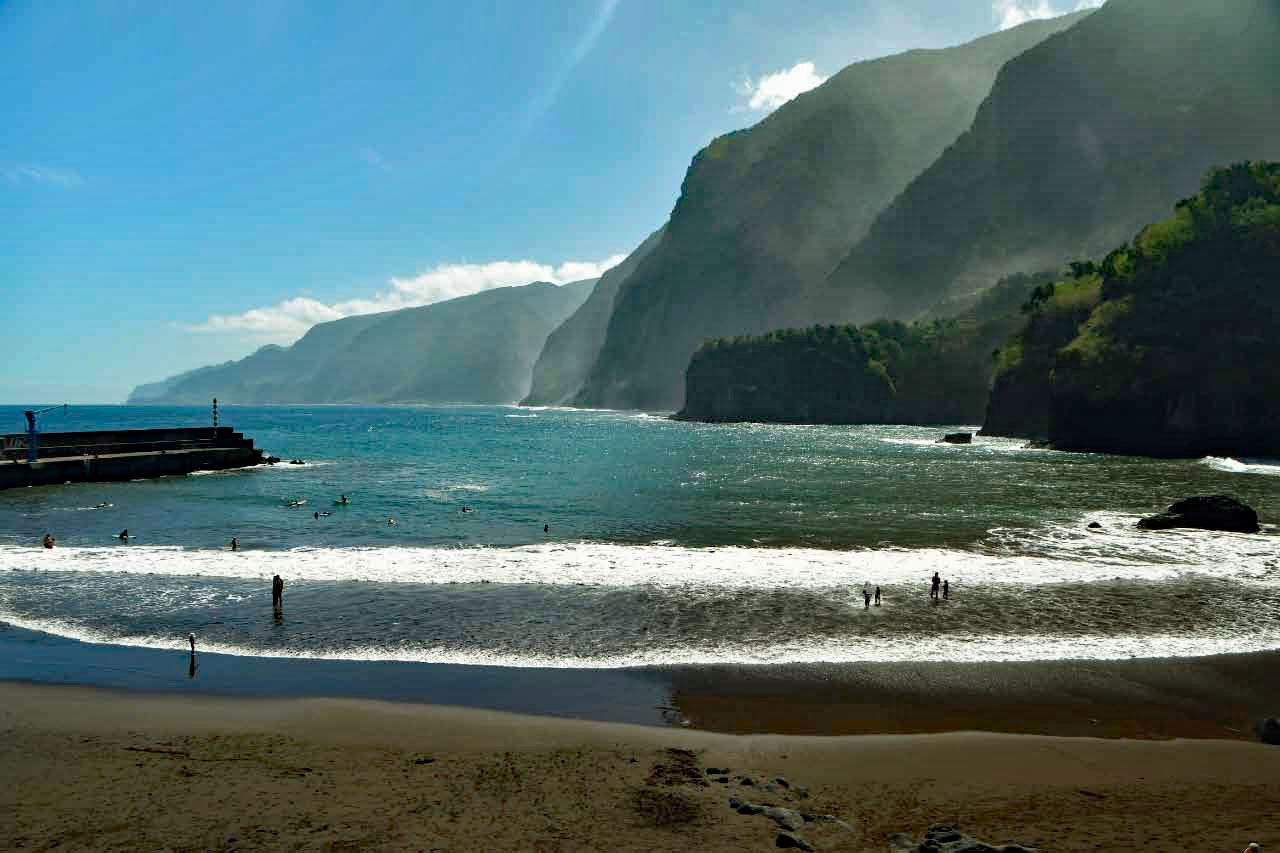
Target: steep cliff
[(1084, 138), (766, 212), (567, 356)]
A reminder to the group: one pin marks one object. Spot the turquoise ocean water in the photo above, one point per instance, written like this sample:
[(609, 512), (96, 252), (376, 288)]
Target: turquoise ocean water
[(665, 542)]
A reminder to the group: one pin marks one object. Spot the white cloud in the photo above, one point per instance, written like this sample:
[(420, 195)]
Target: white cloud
[(773, 90), (1011, 13), (289, 320), (64, 178)]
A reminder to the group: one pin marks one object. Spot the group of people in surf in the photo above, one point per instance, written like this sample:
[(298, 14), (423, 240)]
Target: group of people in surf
[(939, 590)]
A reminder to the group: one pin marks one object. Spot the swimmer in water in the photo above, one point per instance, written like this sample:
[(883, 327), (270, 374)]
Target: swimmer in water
[(315, 515), (391, 521), (124, 535), (466, 509), (235, 544), (48, 540)]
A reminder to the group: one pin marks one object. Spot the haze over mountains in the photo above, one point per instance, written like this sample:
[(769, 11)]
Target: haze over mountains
[(765, 213), (571, 350), (1084, 139), (476, 349), (897, 185)]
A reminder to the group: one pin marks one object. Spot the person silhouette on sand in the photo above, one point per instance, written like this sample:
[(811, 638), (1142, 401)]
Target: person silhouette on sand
[(933, 591)]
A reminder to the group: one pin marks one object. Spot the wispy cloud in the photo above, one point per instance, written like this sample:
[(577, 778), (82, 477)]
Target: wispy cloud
[(373, 158), (1011, 13), (289, 320), (545, 96), (28, 172), (773, 90)]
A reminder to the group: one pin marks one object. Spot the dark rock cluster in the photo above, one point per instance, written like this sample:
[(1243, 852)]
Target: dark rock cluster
[(1206, 512), (941, 838)]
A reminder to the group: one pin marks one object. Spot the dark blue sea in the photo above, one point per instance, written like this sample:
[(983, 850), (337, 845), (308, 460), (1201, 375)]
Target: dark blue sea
[(664, 543)]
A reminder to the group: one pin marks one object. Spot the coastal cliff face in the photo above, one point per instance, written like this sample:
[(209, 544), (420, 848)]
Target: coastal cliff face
[(1019, 402), (473, 349), (569, 352), (766, 212), (1168, 347), (1084, 138), (935, 372)]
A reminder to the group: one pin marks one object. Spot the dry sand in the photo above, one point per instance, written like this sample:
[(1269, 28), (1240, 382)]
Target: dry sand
[(94, 769)]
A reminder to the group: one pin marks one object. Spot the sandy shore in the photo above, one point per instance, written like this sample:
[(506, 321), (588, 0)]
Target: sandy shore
[(95, 769)]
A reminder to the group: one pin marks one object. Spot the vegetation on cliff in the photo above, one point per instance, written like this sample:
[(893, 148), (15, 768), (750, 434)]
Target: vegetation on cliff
[(1169, 346), (929, 372)]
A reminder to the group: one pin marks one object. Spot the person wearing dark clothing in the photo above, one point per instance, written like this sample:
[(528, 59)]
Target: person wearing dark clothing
[(277, 592), (877, 596), (933, 590), (946, 589), (866, 598), (124, 535)]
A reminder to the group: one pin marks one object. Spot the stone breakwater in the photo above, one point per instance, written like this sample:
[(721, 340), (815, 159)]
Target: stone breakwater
[(85, 457)]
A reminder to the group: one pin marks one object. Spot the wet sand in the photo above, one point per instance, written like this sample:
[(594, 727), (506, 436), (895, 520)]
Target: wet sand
[(1209, 697), (96, 769)]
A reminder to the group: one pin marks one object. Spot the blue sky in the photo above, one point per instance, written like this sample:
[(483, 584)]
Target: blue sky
[(181, 183)]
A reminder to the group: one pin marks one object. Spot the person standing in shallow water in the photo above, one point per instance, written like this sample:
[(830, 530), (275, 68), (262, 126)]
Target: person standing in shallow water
[(877, 595), (277, 592), (946, 589), (933, 590), (866, 598)]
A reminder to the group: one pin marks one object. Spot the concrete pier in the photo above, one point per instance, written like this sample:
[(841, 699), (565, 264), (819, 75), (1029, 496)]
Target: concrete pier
[(84, 457)]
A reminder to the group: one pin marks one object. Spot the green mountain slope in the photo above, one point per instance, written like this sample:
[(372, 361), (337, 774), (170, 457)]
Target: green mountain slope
[(1178, 349), (567, 356), (475, 349), (765, 212), (1084, 138), (930, 372)]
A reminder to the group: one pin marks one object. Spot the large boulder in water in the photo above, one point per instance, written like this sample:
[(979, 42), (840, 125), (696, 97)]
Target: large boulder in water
[(1207, 512)]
